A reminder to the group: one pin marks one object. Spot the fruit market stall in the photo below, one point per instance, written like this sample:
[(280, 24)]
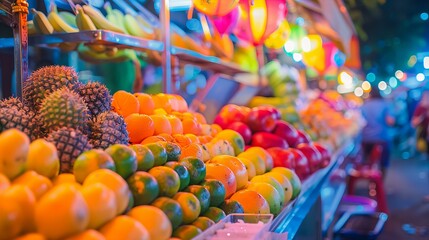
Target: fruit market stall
[(91, 163)]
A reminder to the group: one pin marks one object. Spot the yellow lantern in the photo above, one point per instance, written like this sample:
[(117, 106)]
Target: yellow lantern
[(313, 53), (278, 38), (217, 8)]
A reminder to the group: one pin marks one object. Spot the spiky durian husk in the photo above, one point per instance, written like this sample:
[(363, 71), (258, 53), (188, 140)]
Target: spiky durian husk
[(46, 80), (70, 143), (108, 128), (64, 108), (11, 117), (97, 97)]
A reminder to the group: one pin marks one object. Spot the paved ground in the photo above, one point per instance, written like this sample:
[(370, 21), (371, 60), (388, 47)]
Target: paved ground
[(407, 184)]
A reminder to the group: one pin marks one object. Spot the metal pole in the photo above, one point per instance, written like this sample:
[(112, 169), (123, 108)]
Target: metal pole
[(20, 35), (260, 59), (166, 55)]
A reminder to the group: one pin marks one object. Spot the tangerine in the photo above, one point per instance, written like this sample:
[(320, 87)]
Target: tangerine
[(124, 103), (217, 191), (182, 140), (190, 206), (203, 223), (124, 227), (168, 180), (252, 201), (144, 188), (171, 208), (192, 150), (176, 124), (37, 183), (145, 102), (214, 213), (139, 127), (223, 174), (236, 166), (186, 232), (154, 220), (162, 124), (192, 126)]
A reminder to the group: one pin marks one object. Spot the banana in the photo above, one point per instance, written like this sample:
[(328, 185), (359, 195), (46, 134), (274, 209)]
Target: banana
[(58, 23), (69, 18), (30, 28), (120, 17), (67, 46), (115, 16), (84, 23), (147, 27), (93, 57), (99, 20), (41, 22), (134, 28)]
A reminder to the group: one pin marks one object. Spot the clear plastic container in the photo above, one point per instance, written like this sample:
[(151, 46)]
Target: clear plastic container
[(239, 227)]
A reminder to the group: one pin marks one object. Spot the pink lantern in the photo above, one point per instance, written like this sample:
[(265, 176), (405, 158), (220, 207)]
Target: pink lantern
[(258, 21), (227, 23)]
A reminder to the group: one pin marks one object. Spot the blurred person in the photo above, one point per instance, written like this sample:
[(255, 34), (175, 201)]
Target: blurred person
[(377, 112), (420, 122)]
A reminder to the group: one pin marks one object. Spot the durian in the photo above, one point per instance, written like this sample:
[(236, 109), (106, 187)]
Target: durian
[(108, 128), (11, 117), (70, 143), (46, 80), (64, 108), (97, 97)]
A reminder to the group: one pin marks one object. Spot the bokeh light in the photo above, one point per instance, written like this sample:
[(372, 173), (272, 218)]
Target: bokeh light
[(366, 86), (393, 82), (370, 77), (420, 77), (382, 85), (358, 92), (297, 57), (426, 62), (424, 16), (399, 74)]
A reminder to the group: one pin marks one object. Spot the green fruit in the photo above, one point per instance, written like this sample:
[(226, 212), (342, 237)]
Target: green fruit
[(125, 159), (144, 188), (90, 161), (183, 173), (231, 206), (196, 168), (173, 151), (145, 157), (203, 223), (186, 232), (273, 182), (171, 208), (202, 194), (159, 152), (168, 180), (215, 214), (217, 191)]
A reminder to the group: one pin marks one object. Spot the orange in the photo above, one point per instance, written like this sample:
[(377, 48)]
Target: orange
[(4, 183), (145, 102), (162, 100), (200, 118), (32, 236), (101, 204), (65, 178), (124, 227), (176, 124), (14, 147), (257, 161), (191, 126), (264, 155), (231, 206), (181, 103), (168, 180), (145, 157), (273, 182), (11, 219), (270, 194), (192, 137), (215, 129), (125, 159), (192, 150), (206, 129), (61, 212), (38, 184), (159, 153), (204, 139), (217, 191), (139, 127), (196, 169), (91, 160), (215, 214), (162, 125), (190, 206), (202, 194), (293, 179), (183, 173), (223, 174), (43, 158), (89, 234), (188, 115), (167, 137), (186, 232), (153, 139), (203, 223), (250, 167), (182, 140), (144, 188), (284, 182), (154, 220), (173, 151), (171, 208), (26, 200), (124, 103), (113, 181), (237, 167), (234, 138), (251, 201)]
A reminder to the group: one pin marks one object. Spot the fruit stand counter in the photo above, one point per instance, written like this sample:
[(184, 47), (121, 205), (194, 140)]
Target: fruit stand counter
[(306, 218)]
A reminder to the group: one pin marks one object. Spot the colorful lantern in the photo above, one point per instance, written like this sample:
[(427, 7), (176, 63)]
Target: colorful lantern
[(278, 38), (227, 23), (215, 7), (313, 53), (294, 42), (258, 20)]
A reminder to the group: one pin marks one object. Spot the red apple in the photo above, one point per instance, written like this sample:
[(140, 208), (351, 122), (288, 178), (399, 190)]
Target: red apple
[(313, 155), (268, 140), (305, 138), (282, 157), (274, 111), (302, 168), (285, 130), (228, 114), (260, 120), (243, 129), (326, 156)]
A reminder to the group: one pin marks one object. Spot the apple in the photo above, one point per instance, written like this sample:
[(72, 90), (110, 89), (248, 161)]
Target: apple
[(267, 140), (274, 111), (313, 155), (326, 156), (243, 129), (228, 114), (305, 138), (282, 157), (302, 168), (261, 119), (286, 131)]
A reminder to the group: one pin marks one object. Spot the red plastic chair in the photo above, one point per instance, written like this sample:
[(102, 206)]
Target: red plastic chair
[(370, 172)]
